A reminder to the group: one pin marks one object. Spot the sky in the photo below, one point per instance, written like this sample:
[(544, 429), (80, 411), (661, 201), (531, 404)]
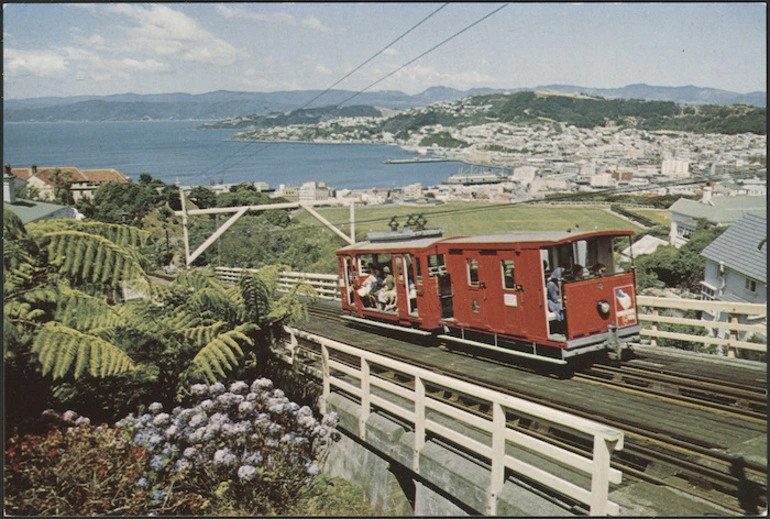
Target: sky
[(59, 49)]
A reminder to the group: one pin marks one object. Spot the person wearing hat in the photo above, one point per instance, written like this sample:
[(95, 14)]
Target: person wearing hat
[(387, 295)]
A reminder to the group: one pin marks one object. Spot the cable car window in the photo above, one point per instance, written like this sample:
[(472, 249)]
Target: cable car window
[(436, 265), (418, 266), (509, 281), (473, 271)]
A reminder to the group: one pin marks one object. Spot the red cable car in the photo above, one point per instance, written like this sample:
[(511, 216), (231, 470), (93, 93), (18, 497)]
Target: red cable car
[(492, 291)]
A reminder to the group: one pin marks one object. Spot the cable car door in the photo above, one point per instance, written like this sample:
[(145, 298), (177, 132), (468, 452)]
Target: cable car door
[(512, 297)]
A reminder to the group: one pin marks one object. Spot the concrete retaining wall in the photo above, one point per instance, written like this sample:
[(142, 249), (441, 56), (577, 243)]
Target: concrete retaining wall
[(449, 483)]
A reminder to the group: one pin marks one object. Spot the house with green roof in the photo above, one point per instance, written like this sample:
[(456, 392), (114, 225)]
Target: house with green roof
[(721, 210), (736, 265), (32, 210)]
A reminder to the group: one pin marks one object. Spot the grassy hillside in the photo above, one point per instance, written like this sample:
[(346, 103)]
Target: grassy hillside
[(460, 219)]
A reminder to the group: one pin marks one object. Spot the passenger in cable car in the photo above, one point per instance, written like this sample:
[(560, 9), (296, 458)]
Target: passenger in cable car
[(552, 288), (598, 270), (370, 286), (387, 294)]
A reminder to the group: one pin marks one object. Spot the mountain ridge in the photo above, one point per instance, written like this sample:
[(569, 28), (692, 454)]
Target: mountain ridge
[(222, 104)]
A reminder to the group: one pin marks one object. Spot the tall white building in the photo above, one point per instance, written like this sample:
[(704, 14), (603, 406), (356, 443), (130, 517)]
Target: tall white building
[(675, 168), (307, 192)]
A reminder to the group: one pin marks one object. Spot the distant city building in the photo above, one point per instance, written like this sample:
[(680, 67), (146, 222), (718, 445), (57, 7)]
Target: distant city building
[(413, 191), (647, 171), (524, 175), (603, 180), (675, 168)]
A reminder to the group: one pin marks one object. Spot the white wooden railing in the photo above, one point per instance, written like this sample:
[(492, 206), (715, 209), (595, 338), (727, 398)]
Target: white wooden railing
[(325, 284), (424, 412), (650, 309)]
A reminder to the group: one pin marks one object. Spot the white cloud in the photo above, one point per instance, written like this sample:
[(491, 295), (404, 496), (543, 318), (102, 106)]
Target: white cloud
[(164, 32), (311, 22), (322, 69), (283, 18), (48, 63)]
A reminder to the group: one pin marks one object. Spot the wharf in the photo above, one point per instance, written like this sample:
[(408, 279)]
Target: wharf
[(416, 160)]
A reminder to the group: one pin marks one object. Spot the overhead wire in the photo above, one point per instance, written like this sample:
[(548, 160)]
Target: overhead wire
[(329, 88), (424, 53)]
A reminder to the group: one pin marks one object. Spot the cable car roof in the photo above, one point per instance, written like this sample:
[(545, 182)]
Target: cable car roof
[(540, 237), (543, 237)]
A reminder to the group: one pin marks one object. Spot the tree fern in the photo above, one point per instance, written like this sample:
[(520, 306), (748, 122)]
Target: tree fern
[(222, 354), (201, 335), (121, 235), (256, 295), (62, 351), (198, 279), (83, 312), (212, 303), (70, 252)]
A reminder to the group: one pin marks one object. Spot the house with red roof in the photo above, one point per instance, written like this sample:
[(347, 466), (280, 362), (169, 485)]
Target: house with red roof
[(85, 182)]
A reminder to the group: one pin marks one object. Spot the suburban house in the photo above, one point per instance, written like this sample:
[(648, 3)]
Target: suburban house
[(84, 181), (721, 210), (736, 265), (32, 210)]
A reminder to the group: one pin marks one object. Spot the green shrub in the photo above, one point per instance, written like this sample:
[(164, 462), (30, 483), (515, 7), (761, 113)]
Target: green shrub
[(82, 471)]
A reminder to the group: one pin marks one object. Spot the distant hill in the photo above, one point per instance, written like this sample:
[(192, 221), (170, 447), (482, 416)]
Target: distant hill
[(224, 104)]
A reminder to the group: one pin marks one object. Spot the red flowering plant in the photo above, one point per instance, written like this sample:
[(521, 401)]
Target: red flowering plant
[(76, 469)]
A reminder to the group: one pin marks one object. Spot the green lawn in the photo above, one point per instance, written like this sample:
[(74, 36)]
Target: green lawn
[(474, 218), (659, 216)]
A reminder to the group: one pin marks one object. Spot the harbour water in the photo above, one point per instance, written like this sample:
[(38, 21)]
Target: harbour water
[(177, 151)]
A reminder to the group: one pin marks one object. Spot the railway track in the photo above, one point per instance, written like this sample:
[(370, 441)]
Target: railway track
[(651, 454)]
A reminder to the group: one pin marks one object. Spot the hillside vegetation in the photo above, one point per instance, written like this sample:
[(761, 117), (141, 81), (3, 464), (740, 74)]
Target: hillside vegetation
[(527, 108)]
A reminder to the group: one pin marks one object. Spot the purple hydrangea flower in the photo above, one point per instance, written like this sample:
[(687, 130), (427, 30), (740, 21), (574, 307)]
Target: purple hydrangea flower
[(224, 457), (157, 462), (155, 407), (197, 420), (189, 452), (254, 459), (161, 420), (216, 389), (199, 389), (239, 387), (261, 384), (158, 496), (246, 408), (246, 473)]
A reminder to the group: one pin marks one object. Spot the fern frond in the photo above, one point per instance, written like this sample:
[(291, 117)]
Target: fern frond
[(223, 353), (122, 235), (180, 321), (198, 279), (256, 296), (70, 252), (200, 335), (212, 302), (58, 347), (81, 311)]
